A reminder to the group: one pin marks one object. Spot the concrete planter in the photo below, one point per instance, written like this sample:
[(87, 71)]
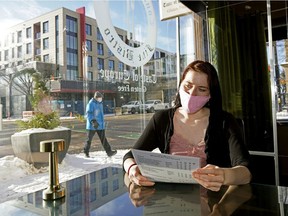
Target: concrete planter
[(26, 144)]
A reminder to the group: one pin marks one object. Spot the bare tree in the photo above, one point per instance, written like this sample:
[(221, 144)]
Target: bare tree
[(21, 81)]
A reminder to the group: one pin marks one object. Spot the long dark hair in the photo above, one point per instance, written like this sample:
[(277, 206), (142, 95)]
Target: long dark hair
[(215, 102)]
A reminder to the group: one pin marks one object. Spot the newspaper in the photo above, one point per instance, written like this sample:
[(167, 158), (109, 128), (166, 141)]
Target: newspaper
[(165, 167)]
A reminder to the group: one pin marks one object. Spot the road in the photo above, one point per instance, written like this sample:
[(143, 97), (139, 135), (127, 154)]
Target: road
[(121, 131)]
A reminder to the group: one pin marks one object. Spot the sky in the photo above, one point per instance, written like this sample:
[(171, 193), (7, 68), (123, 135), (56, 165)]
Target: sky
[(13, 12)]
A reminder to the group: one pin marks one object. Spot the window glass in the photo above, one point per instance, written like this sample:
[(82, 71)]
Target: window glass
[(90, 75), (88, 29), (45, 43), (29, 48), (90, 61), (56, 36), (46, 58), (45, 27), (19, 36), (99, 36), (89, 45), (6, 56), (19, 51), (28, 32), (13, 37), (100, 49), (100, 63), (111, 65), (121, 66)]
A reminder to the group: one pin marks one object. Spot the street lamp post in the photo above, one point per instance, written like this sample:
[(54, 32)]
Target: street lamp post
[(1, 117), (85, 76)]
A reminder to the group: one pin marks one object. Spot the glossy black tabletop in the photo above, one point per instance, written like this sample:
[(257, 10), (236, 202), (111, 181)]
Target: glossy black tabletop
[(105, 192)]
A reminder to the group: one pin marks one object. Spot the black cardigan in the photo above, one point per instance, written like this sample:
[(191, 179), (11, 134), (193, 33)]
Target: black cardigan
[(224, 140)]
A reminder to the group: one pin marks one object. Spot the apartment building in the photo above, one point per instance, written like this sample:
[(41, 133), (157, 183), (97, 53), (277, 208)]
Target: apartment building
[(69, 45)]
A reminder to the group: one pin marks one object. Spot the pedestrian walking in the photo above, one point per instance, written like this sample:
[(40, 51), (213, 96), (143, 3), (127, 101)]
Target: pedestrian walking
[(95, 124)]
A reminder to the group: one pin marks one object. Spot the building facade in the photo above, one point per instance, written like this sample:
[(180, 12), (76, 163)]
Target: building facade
[(78, 63)]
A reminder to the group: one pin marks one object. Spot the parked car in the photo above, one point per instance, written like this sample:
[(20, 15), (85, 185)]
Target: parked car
[(131, 107), (151, 106)]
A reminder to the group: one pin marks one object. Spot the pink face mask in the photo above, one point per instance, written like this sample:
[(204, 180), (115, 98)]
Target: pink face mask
[(190, 103)]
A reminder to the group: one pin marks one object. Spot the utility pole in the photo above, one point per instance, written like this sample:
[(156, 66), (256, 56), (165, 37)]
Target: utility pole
[(1, 117)]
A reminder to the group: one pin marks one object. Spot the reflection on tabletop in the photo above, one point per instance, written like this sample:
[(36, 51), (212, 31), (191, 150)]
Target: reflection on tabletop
[(192, 199), (108, 191)]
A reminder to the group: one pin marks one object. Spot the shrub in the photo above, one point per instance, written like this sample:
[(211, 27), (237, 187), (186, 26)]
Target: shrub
[(40, 120), (44, 116)]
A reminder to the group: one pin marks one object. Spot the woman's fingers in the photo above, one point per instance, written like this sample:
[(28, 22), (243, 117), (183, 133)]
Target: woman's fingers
[(137, 178), (141, 180), (211, 177)]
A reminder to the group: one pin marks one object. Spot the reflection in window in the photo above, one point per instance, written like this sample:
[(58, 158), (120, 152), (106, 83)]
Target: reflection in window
[(93, 195), (111, 65), (104, 173), (92, 177), (281, 77), (72, 48), (90, 75), (89, 45), (46, 58), (100, 49), (28, 33), (115, 184), (89, 61), (13, 37), (71, 42), (30, 198), (104, 188), (115, 170), (120, 66), (75, 198), (100, 64), (38, 198), (110, 53), (71, 24), (121, 36), (46, 43), (6, 56), (45, 27), (19, 36), (6, 41), (71, 74), (99, 36), (157, 65), (156, 55), (88, 29), (38, 51), (19, 51), (28, 48)]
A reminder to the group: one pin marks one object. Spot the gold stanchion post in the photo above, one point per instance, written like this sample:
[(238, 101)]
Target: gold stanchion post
[(54, 190)]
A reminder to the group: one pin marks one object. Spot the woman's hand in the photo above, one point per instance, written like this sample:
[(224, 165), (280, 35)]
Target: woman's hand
[(211, 177), (139, 195), (136, 177)]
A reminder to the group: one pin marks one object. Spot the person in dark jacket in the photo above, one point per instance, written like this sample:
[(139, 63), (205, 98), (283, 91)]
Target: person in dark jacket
[(95, 124), (197, 126)]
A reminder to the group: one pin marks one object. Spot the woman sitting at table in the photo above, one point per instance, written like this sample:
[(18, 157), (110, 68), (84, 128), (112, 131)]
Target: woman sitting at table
[(197, 126)]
